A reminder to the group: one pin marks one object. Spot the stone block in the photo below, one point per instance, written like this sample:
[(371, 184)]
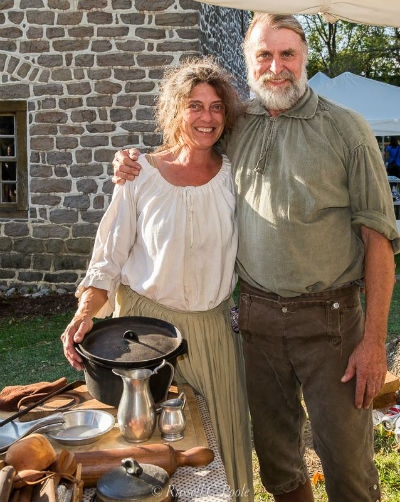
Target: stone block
[(42, 129), (100, 127), (41, 171), (133, 19), (55, 158), (50, 60), (47, 103), (129, 74), (148, 100), (55, 32), (15, 261), (83, 116), (51, 117), (60, 216), (77, 201), (150, 33), (105, 87), (61, 74), (188, 33), (152, 139), (33, 4), (54, 245), (99, 17), (44, 75), (93, 216), (113, 32), (28, 245), (14, 16), (10, 32), (34, 157), (177, 19), (5, 243), (70, 45), (149, 60), (99, 101), (82, 245), (46, 200), (145, 114), (42, 143), (77, 171), (8, 46), (81, 32), (47, 89), (131, 46), (99, 74), (67, 103), (124, 140), (126, 100), (189, 4), (178, 46), (14, 91), (86, 185), (139, 86), (59, 278), (59, 4), (104, 155), (27, 276), (45, 17), (50, 231), (108, 186), (66, 142), (79, 88), (92, 4), (16, 229), (118, 114), (84, 230), (101, 46), (67, 129), (118, 59), (84, 156), (34, 46), (3, 58), (94, 140), (121, 4), (138, 126), (60, 171), (98, 202), (42, 262), (86, 60), (69, 18), (154, 5), (55, 185)]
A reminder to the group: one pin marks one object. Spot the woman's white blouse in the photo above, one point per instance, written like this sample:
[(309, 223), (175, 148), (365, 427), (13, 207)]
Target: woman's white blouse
[(174, 245)]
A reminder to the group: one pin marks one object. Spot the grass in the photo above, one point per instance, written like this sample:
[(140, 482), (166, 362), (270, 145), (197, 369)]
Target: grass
[(31, 351)]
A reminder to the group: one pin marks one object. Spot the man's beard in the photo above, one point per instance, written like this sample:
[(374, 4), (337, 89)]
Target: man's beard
[(278, 98)]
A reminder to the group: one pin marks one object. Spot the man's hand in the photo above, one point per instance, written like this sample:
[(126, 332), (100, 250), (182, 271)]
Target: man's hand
[(74, 333), (125, 165), (368, 364)]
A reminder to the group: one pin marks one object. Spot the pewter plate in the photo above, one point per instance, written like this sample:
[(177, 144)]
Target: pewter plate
[(82, 427)]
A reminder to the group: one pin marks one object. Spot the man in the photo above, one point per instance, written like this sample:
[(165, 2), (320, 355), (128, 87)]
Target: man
[(315, 219)]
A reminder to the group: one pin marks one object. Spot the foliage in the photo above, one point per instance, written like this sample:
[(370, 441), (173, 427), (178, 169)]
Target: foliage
[(370, 51)]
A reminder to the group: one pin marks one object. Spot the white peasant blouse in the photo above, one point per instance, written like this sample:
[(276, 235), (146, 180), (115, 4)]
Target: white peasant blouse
[(175, 245)]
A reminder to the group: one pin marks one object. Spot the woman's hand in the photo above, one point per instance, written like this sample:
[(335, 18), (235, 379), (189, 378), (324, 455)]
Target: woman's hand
[(125, 165), (74, 333)]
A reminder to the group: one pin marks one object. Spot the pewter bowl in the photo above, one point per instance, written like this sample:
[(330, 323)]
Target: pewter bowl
[(82, 427)]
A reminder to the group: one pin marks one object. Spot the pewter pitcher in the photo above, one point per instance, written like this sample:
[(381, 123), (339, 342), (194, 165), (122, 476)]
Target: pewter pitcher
[(136, 410), (172, 421)]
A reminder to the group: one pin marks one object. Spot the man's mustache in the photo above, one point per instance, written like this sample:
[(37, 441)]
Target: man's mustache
[(268, 76)]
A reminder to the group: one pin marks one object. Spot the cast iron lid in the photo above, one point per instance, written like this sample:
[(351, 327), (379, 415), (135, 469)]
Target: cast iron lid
[(133, 481), (126, 341)]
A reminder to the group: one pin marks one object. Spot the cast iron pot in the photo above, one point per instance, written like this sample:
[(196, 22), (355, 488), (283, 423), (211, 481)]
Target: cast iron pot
[(128, 343)]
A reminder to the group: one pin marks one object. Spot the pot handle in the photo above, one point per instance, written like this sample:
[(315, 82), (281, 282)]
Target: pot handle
[(164, 362)]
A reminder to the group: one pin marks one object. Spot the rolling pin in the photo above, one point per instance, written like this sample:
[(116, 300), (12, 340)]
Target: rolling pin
[(96, 463)]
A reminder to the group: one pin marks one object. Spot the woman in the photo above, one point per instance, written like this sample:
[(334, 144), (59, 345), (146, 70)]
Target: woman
[(393, 157), (166, 248)]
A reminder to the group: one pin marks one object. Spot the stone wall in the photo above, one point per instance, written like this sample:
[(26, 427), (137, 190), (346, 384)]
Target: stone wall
[(89, 71)]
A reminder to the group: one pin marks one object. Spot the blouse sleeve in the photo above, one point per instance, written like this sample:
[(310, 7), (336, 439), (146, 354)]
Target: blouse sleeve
[(114, 240), (370, 197)]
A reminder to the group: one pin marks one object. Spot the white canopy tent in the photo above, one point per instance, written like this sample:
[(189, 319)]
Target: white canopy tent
[(379, 103), (386, 13)]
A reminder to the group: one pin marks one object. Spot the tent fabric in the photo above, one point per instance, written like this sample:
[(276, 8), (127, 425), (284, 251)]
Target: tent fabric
[(384, 13), (377, 102)]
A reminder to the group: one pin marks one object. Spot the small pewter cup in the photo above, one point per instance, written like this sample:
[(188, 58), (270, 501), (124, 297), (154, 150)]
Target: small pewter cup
[(172, 421)]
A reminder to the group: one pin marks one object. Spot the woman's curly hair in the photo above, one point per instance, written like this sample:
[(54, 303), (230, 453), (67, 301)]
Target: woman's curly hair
[(175, 89)]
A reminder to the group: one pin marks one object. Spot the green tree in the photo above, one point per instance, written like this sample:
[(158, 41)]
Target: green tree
[(370, 51)]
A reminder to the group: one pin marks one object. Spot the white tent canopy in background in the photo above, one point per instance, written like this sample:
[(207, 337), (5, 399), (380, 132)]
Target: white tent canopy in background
[(384, 13), (377, 102)]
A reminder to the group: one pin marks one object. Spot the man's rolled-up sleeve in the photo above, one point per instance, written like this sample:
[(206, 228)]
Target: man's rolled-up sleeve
[(370, 196)]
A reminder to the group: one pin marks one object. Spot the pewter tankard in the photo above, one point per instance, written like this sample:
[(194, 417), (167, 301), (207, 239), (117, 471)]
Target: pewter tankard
[(172, 421), (136, 410)]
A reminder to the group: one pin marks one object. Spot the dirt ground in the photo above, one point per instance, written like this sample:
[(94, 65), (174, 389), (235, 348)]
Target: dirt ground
[(26, 306)]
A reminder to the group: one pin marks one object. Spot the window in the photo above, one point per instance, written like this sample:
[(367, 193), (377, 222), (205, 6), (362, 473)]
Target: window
[(13, 159)]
